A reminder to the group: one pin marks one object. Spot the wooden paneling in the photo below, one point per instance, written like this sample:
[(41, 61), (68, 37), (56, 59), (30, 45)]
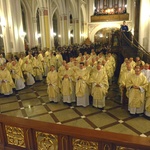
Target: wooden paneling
[(66, 134)]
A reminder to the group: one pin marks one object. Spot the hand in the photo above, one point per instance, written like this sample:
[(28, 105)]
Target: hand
[(123, 86), (135, 87), (79, 77), (97, 85), (66, 76), (3, 81)]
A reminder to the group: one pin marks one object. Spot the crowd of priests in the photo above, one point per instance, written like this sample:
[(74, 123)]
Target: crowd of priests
[(76, 79)]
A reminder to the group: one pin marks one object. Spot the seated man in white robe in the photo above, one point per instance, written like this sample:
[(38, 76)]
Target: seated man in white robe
[(136, 88)]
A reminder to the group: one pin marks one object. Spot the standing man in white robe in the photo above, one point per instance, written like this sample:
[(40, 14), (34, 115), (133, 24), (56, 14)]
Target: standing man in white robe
[(146, 72), (82, 91), (6, 81), (53, 85), (136, 88), (17, 75), (67, 88), (100, 86)]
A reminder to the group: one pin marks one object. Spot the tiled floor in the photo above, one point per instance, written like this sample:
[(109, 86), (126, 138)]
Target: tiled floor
[(32, 103)]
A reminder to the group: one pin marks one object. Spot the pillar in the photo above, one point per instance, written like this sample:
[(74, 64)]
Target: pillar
[(85, 30), (136, 19), (12, 28), (144, 23), (35, 37), (77, 35), (45, 31), (65, 30)]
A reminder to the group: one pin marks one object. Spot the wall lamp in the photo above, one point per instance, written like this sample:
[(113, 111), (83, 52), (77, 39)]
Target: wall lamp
[(23, 34)]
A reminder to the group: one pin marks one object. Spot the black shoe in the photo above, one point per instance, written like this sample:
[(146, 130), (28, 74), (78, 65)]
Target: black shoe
[(69, 104)]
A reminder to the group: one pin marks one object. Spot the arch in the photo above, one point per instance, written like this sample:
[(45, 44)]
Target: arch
[(100, 26), (26, 7), (41, 3), (28, 20), (60, 6), (54, 8), (73, 9)]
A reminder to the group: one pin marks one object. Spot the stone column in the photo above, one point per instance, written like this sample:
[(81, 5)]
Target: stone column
[(43, 14), (61, 31), (44, 24), (91, 7), (77, 35), (144, 23), (149, 32), (35, 38), (66, 34), (12, 28), (137, 18), (85, 30), (47, 31)]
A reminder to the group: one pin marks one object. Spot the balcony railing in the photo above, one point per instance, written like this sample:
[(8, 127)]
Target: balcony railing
[(111, 17), (23, 134)]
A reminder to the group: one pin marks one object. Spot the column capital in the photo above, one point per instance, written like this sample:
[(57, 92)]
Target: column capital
[(63, 17), (76, 20), (43, 11)]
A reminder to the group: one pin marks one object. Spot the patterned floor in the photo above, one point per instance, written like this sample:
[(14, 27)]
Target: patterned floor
[(32, 103)]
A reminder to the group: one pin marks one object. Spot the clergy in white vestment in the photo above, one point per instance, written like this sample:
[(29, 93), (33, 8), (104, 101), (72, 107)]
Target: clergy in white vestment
[(6, 82), (123, 78), (136, 88), (17, 75), (67, 88), (99, 80), (2, 59), (28, 73), (52, 80), (82, 91), (146, 72), (37, 68)]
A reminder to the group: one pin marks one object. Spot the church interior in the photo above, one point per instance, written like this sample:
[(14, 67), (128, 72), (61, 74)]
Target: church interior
[(53, 26)]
